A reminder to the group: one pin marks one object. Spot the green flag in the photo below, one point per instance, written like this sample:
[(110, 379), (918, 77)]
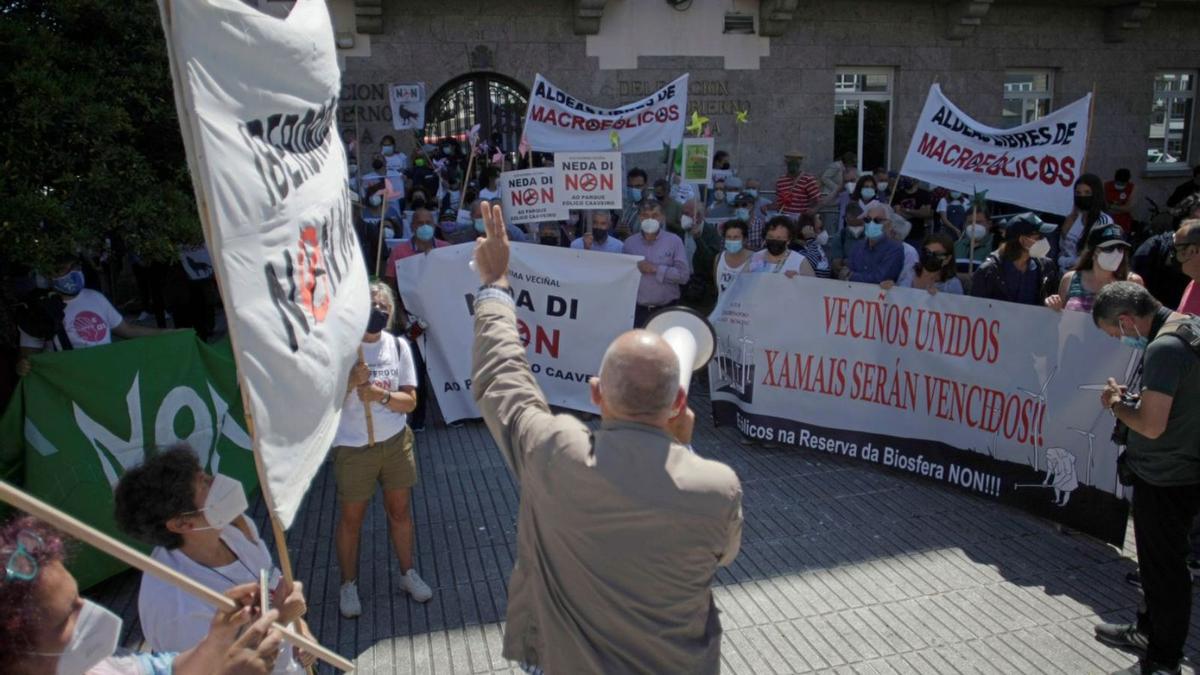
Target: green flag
[(83, 417)]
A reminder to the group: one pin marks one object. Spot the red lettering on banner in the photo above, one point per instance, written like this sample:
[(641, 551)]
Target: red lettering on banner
[(314, 280)]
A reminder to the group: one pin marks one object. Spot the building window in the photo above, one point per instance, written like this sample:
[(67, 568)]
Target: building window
[(1171, 120), (1027, 96), (494, 102), (862, 115)]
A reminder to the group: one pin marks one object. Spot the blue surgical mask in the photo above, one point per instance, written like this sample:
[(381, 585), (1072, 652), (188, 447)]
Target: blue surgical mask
[(741, 214), (733, 245), (635, 194), (730, 198), (387, 150), (479, 225), (874, 230), (425, 232), (69, 284), (867, 193), (753, 192), (1135, 341)]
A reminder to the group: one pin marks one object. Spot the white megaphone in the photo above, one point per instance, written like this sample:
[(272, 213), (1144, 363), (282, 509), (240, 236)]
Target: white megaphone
[(690, 335)]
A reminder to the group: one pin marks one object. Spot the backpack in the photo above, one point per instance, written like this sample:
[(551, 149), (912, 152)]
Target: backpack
[(40, 313)]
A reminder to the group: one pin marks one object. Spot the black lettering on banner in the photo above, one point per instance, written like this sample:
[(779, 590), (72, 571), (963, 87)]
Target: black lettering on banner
[(289, 148), (286, 303)]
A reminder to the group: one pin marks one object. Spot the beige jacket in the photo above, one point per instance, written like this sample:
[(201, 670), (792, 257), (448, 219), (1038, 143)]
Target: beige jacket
[(620, 531)]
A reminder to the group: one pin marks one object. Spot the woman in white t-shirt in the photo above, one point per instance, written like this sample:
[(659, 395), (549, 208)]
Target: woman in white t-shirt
[(377, 450), (733, 259), (197, 525), (490, 191), (777, 257), (952, 212)]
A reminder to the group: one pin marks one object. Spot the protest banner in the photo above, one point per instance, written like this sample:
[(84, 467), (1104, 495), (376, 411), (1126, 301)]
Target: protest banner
[(531, 196), (1034, 165), (408, 106), (571, 304), (589, 180), (697, 161), (257, 98), (989, 397), (82, 417), (556, 121)]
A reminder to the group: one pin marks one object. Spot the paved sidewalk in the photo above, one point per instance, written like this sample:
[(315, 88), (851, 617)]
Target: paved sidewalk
[(843, 568)]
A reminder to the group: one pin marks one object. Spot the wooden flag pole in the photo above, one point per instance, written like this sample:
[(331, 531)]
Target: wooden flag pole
[(466, 177), (383, 204), (367, 408), (69, 525)]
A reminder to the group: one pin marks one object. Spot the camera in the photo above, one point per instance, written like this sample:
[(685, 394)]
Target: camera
[(1120, 434)]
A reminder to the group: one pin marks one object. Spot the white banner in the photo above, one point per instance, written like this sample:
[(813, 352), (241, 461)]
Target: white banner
[(991, 397), (589, 180), (530, 196), (556, 121), (571, 305), (257, 98), (408, 106), (1034, 165)]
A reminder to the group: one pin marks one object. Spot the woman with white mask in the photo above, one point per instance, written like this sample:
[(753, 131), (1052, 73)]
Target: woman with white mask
[(198, 526), (1020, 270), (1104, 259), (49, 628), (976, 242)]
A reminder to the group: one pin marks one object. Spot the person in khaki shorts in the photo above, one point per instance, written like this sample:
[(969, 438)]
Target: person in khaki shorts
[(385, 380)]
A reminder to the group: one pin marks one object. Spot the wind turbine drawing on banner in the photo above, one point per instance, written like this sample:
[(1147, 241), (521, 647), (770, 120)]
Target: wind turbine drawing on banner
[(1040, 397), (1091, 438)]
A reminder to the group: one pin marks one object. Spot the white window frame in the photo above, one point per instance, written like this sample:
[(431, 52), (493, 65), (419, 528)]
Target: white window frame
[(1170, 97), (862, 97), (1030, 95)]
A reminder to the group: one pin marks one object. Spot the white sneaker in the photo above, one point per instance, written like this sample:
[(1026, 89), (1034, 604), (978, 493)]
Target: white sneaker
[(348, 600), (412, 584)]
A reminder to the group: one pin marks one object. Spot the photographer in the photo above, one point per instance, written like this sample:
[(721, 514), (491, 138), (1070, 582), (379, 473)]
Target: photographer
[(1161, 461)]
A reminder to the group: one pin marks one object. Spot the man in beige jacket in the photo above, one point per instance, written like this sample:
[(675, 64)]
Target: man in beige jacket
[(620, 530)]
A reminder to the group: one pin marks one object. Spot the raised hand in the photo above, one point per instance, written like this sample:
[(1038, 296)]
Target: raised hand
[(491, 250)]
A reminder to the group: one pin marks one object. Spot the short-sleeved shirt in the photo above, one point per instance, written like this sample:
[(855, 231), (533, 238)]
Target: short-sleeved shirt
[(915, 201), (797, 194), (88, 319), (1021, 286), (611, 244), (1170, 367), (391, 364), (405, 249), (759, 263), (1190, 302)]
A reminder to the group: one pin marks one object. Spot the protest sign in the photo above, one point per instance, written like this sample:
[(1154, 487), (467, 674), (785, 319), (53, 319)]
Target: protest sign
[(1034, 165), (81, 418), (556, 121), (589, 180), (570, 305), (408, 106), (257, 98), (983, 396), (530, 196), (697, 161)]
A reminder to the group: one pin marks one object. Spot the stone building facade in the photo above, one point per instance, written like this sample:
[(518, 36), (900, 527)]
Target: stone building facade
[(810, 70)]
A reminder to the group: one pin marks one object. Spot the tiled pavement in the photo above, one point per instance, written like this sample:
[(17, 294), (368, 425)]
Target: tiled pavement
[(843, 568)]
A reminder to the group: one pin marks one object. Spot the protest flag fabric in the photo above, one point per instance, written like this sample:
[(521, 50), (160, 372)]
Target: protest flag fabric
[(257, 99), (1034, 165), (82, 417), (556, 120)]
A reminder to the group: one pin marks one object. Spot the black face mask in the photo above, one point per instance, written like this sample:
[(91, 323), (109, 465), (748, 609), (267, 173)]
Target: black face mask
[(550, 241), (378, 320), (599, 235), (776, 247), (1084, 203), (931, 262)]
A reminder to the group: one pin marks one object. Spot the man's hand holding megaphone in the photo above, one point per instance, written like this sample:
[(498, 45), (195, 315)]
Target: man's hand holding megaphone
[(491, 250)]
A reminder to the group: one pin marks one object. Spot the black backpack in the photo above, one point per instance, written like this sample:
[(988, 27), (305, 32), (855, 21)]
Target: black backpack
[(40, 313)]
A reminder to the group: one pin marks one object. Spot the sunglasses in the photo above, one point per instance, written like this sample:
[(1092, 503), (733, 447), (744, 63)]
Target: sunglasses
[(21, 564), (878, 221)]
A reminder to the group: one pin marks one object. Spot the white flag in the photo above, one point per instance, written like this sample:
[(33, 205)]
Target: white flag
[(257, 100)]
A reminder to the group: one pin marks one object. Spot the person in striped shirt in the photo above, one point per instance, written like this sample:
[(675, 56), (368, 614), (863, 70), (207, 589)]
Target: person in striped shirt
[(798, 192)]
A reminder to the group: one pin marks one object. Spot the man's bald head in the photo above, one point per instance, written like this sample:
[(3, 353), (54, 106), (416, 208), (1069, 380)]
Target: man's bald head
[(639, 377)]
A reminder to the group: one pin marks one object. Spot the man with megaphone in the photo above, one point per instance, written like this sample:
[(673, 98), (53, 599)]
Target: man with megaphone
[(620, 530)]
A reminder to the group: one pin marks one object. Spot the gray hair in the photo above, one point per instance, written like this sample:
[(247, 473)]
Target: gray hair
[(637, 383), (1120, 298), (384, 291)]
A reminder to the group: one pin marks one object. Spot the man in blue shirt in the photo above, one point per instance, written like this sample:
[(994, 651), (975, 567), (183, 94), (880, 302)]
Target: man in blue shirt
[(877, 257)]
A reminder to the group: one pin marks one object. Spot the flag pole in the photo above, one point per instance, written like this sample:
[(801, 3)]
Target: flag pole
[(367, 409), (69, 525)]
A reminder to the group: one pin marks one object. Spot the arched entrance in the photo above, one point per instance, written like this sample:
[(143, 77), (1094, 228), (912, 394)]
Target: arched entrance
[(495, 102)]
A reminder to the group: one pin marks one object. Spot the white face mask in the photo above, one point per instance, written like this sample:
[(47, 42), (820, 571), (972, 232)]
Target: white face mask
[(225, 502), (976, 231), (95, 639), (687, 222), (850, 186), (882, 185), (855, 230), (822, 238), (650, 226), (1109, 261), (1040, 249)]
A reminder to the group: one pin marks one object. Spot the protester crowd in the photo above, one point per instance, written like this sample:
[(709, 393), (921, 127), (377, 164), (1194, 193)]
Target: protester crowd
[(693, 243)]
